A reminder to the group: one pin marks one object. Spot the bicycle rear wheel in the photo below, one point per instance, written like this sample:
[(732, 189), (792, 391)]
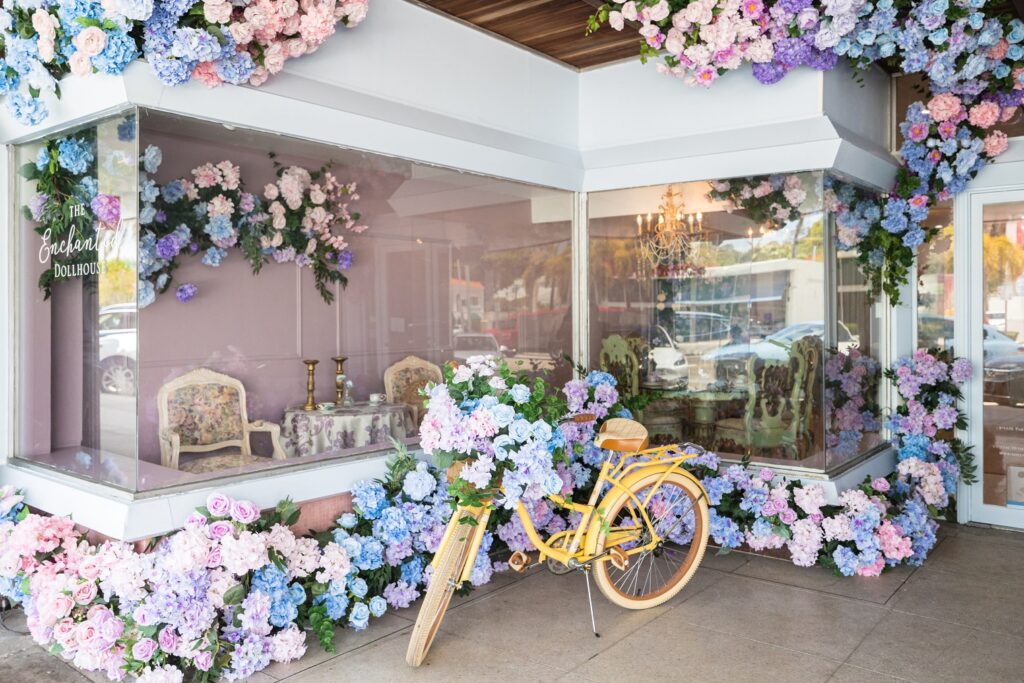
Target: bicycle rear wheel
[(678, 511), (449, 564)]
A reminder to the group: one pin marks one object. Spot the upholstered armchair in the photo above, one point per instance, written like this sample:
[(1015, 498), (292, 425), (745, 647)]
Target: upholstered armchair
[(404, 380), (204, 411)]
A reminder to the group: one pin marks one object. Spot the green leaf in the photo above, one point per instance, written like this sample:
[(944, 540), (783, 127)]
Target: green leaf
[(235, 594), (28, 171)]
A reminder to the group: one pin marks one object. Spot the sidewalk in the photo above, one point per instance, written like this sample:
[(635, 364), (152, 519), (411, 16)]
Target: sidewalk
[(743, 618)]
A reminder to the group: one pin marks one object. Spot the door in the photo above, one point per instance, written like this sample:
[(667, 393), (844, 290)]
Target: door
[(993, 338)]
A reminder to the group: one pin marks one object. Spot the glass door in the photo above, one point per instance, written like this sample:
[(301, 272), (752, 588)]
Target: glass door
[(995, 340)]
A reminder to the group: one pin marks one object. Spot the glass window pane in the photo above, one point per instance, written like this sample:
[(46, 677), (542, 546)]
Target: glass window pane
[(707, 300), (77, 333), (1003, 342)]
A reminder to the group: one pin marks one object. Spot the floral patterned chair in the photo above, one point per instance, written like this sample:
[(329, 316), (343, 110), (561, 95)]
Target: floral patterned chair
[(404, 379), (204, 411)]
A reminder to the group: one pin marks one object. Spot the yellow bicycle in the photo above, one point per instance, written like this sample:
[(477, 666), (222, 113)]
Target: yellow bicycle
[(642, 542)]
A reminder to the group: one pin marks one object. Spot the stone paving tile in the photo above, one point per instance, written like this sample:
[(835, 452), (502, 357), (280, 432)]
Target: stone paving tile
[(452, 659), (794, 618), (854, 674), (34, 664), (932, 651), (667, 650), (976, 601), (555, 605), (970, 553), (872, 589)]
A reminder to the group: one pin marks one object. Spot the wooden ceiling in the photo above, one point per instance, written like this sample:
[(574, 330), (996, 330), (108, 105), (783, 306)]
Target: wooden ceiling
[(556, 28)]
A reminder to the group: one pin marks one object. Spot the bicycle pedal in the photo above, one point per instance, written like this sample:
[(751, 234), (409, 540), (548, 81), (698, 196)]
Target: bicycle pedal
[(519, 562), (619, 559)]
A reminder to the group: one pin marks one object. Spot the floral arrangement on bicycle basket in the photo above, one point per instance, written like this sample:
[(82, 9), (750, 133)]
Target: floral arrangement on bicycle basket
[(972, 58), (497, 431)]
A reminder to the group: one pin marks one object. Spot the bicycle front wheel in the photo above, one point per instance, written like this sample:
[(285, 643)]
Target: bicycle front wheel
[(678, 514), (449, 564)]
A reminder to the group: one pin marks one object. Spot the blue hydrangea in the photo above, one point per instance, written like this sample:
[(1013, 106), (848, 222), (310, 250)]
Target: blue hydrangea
[(74, 155), (419, 483), (119, 52), (348, 520), (412, 570), (152, 158), (391, 527), (335, 600), (846, 560), (26, 110), (173, 191), (195, 45), (170, 71), (370, 498), (213, 256), (43, 158), (716, 487), (724, 531), (520, 393), (596, 377), (235, 68), (371, 554), (219, 228)]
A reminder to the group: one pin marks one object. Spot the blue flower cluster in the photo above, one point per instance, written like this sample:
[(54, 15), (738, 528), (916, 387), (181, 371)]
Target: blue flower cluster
[(284, 599)]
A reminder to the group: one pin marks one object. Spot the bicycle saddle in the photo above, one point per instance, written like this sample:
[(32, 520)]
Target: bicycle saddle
[(622, 435)]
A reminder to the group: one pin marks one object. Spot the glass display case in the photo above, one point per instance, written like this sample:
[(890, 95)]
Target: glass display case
[(177, 279), (731, 319)]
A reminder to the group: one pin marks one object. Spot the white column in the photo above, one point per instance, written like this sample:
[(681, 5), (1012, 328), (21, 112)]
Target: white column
[(580, 281)]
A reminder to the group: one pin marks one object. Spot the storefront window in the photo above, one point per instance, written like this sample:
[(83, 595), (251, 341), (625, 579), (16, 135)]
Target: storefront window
[(935, 282), (194, 366), (709, 302)]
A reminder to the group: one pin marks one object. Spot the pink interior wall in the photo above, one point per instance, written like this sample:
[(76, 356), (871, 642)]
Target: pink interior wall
[(259, 329)]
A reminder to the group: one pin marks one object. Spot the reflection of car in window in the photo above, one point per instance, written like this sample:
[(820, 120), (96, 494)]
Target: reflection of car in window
[(467, 345), (118, 335), (1004, 379), (776, 345), (696, 332), (937, 331), (666, 365)]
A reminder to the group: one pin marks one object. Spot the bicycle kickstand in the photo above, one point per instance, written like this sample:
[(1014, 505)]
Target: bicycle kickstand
[(590, 601)]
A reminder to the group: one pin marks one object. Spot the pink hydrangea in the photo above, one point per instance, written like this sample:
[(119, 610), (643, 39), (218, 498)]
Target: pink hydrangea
[(996, 143), (985, 114), (944, 106)]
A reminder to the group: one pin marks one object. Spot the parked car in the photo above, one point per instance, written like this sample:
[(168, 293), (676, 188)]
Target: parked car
[(118, 338), (666, 367), (937, 331), (776, 345), (697, 332), (476, 344)]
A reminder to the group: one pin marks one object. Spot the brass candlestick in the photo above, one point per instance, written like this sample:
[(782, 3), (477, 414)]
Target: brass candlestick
[(339, 378), (310, 384)]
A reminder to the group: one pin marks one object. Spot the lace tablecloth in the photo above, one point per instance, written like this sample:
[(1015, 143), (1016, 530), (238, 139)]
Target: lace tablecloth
[(345, 427)]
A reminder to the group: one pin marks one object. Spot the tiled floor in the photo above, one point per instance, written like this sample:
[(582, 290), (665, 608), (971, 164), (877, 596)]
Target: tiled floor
[(959, 618)]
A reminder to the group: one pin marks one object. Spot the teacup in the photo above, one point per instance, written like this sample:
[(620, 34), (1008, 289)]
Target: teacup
[(377, 399), (326, 407)]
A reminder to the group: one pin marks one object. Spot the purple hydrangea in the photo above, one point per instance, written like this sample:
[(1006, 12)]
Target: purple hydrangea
[(186, 292)]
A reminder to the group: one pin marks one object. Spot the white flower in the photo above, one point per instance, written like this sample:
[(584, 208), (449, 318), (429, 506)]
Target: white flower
[(616, 20)]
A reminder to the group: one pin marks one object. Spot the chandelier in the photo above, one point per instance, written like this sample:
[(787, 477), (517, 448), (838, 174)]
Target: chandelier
[(668, 240)]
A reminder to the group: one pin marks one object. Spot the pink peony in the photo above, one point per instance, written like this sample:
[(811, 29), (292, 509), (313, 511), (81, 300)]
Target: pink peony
[(944, 106), (985, 114), (144, 649), (80, 64), (996, 143)]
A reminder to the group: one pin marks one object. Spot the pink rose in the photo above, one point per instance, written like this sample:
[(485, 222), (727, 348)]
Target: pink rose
[(89, 568), (64, 631), (244, 511), (60, 607), (90, 40), (86, 634), (985, 114), (242, 32), (144, 649), (80, 64), (213, 558), (220, 529), (168, 639), (270, 192), (996, 143), (218, 504), (944, 106), (85, 593), (788, 516), (203, 660), (766, 474), (196, 520), (616, 20), (880, 484)]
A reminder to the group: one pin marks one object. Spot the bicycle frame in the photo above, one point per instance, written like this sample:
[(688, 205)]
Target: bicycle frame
[(662, 460)]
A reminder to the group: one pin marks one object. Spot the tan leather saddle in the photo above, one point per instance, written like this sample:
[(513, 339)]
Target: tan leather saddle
[(622, 435)]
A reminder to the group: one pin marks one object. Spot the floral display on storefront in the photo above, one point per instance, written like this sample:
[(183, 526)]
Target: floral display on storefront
[(302, 218), (211, 42), (234, 589), (972, 58), (850, 382), (770, 201)]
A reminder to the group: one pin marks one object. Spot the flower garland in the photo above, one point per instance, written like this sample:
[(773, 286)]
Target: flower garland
[(206, 215), (974, 64), (770, 201), (233, 590), (214, 42)]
